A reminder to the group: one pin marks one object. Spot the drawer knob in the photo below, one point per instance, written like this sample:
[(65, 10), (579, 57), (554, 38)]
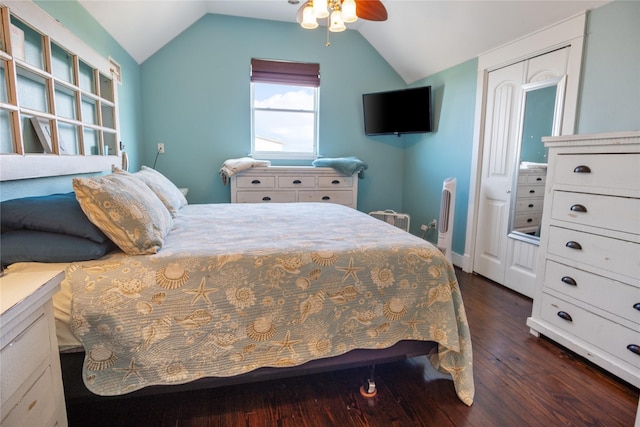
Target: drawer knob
[(582, 169), (335, 181), (578, 208), (538, 179), (529, 219), (569, 281), (326, 198), (564, 315), (297, 181), (255, 181), (530, 205), (573, 245), (266, 198), (634, 348), (637, 306)]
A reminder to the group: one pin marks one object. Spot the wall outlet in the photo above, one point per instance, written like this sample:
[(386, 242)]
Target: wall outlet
[(161, 148)]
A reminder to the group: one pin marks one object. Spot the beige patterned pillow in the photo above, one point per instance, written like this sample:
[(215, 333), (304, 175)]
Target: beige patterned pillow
[(126, 210), (167, 192)]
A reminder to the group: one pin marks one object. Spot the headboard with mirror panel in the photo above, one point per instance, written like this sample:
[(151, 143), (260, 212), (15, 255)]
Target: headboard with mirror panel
[(58, 99)]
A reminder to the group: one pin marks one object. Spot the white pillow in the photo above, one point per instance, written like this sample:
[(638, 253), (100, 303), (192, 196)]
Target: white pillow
[(126, 210), (167, 192)]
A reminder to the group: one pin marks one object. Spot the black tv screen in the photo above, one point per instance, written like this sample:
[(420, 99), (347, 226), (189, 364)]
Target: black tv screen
[(397, 112)]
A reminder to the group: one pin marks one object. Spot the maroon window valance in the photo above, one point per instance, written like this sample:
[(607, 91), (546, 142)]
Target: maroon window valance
[(285, 72)]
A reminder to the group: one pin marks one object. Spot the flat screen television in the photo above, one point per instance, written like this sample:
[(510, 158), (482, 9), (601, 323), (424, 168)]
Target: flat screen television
[(397, 112)]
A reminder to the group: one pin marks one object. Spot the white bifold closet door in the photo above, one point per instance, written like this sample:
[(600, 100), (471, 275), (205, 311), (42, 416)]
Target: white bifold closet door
[(498, 257)]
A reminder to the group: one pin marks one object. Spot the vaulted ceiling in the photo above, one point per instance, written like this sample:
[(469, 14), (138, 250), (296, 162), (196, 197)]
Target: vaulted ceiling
[(420, 38)]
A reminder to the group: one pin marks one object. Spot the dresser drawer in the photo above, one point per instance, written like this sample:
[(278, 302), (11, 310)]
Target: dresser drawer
[(340, 197), (539, 178), (255, 181), (530, 191), (335, 182), (609, 212), (23, 354), (296, 181), (615, 171), (527, 219), (615, 297), (529, 205), (36, 408), (265, 196), (599, 331), (615, 255)]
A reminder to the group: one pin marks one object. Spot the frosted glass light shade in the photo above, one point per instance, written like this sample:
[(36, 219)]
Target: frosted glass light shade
[(337, 24), (320, 8), (349, 11), (308, 19)]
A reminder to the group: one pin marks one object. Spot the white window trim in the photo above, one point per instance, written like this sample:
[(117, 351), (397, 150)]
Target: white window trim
[(291, 155)]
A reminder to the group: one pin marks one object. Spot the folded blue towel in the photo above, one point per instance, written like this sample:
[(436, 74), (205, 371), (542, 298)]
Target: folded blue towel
[(345, 165)]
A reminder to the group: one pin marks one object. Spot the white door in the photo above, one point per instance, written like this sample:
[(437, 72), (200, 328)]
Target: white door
[(498, 257), (504, 95)]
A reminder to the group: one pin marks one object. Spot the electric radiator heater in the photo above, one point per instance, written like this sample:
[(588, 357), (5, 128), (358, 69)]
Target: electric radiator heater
[(447, 207), (389, 216)]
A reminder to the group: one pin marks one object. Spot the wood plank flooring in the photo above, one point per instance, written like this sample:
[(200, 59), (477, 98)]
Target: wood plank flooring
[(520, 380)]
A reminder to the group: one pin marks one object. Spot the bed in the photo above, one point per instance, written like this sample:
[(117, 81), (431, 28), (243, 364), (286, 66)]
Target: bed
[(225, 291)]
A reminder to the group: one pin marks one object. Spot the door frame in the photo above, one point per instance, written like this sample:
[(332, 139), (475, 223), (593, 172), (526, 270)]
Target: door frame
[(568, 32)]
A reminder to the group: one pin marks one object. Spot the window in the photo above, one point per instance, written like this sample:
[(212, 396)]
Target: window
[(284, 109)]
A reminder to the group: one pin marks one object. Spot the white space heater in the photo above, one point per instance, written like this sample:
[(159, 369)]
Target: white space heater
[(392, 217), (447, 208)]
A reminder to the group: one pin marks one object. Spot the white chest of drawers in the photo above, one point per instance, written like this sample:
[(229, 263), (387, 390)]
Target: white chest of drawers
[(529, 199), (587, 294), (282, 184), (31, 387)]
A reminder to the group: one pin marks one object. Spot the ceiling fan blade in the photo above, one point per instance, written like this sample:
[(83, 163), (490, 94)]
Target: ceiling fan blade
[(371, 10)]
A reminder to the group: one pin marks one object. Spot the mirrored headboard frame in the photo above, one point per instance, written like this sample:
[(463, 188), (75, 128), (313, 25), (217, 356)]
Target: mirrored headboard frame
[(19, 165)]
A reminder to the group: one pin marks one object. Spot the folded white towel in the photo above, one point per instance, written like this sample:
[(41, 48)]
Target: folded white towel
[(233, 166)]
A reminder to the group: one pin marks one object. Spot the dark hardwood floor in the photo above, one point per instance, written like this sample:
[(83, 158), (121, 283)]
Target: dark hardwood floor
[(520, 380)]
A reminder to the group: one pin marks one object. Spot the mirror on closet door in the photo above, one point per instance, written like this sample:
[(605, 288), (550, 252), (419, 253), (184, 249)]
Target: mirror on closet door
[(541, 116)]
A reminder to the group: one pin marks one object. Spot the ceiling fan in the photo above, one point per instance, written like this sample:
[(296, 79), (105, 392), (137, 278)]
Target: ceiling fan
[(339, 12)]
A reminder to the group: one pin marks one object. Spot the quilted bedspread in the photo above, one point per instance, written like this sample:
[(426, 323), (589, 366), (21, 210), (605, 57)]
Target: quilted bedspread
[(237, 287)]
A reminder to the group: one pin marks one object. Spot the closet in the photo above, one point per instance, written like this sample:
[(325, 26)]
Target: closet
[(509, 79)]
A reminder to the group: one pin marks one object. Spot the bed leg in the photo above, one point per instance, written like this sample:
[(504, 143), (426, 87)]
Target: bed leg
[(369, 388)]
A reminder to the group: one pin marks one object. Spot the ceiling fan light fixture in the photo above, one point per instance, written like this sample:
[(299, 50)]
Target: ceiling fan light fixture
[(337, 23), (320, 9), (349, 11), (308, 18)]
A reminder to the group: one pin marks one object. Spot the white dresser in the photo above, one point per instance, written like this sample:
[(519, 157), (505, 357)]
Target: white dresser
[(31, 386), (281, 184), (529, 199), (587, 294)]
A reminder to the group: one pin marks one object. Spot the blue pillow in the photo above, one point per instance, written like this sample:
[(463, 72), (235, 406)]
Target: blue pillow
[(56, 213), (42, 246)]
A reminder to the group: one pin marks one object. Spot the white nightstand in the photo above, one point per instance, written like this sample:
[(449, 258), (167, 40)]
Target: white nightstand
[(31, 380)]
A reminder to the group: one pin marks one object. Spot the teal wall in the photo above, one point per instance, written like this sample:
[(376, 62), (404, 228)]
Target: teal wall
[(446, 152), (196, 95), (610, 95)]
